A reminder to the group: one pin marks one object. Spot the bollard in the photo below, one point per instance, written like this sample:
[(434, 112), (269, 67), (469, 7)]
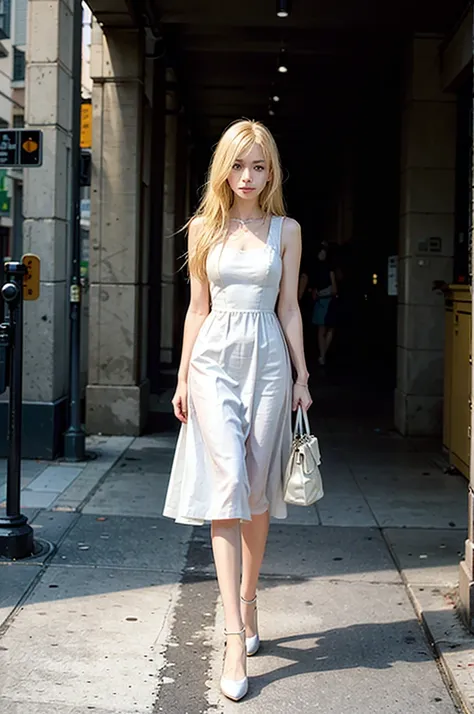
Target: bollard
[(16, 535)]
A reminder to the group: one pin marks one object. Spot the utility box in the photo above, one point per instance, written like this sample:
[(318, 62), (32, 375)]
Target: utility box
[(457, 377)]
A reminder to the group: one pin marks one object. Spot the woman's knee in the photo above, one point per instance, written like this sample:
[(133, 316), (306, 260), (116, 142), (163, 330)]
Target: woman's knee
[(225, 523)]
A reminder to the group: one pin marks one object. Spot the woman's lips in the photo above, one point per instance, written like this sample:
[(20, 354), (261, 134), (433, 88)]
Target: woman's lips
[(247, 189)]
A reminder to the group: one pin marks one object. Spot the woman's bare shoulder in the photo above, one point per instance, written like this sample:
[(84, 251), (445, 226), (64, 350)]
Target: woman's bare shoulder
[(196, 222), (195, 227), (291, 231)]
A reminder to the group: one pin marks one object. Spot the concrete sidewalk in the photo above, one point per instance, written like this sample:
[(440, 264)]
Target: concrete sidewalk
[(356, 602)]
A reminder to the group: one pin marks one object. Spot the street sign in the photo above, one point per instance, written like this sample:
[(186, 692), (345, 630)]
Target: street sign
[(86, 125), (30, 146), (31, 280), (21, 147), (4, 194), (8, 148)]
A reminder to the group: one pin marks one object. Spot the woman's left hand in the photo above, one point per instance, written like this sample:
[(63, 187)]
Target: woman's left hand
[(301, 396)]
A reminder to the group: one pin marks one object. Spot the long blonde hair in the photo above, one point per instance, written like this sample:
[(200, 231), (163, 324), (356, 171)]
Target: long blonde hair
[(236, 141)]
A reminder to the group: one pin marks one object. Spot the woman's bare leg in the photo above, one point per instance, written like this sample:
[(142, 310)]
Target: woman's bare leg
[(226, 546), (254, 539), (322, 342), (329, 336)]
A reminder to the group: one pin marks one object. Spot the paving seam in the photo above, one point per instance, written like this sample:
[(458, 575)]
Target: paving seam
[(389, 526), (101, 480), (184, 683), (449, 681), (454, 691), (356, 481), (5, 625), (104, 566), (42, 569), (310, 576)]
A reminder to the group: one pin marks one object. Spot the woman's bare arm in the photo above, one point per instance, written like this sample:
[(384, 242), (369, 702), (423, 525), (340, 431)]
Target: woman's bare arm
[(197, 312), (303, 285), (288, 308)]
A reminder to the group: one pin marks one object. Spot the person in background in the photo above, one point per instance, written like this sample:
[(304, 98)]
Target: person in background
[(324, 289), (306, 304)]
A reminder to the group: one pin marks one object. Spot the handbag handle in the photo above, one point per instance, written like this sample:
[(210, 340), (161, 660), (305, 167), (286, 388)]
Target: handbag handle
[(300, 422)]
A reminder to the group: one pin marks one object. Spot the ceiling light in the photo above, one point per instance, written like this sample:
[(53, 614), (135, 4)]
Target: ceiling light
[(276, 98), (282, 61), (271, 112), (283, 8)]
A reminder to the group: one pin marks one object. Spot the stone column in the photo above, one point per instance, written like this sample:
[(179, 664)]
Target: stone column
[(181, 242), (117, 393), (45, 208), (168, 270), (426, 239), (156, 228)]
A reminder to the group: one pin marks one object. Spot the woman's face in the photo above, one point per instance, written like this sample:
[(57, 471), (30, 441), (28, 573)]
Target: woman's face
[(250, 174)]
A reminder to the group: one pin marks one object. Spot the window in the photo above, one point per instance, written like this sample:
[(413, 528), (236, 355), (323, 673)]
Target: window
[(18, 65), (5, 13), (18, 121), (19, 25)]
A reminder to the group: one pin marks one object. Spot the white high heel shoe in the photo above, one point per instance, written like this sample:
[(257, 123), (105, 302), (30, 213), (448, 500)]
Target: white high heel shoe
[(231, 688), (252, 644)]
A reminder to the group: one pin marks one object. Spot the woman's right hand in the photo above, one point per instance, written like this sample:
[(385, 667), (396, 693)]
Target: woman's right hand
[(301, 396), (180, 402)]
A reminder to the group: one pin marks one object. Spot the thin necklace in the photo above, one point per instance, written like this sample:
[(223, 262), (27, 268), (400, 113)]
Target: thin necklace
[(244, 221)]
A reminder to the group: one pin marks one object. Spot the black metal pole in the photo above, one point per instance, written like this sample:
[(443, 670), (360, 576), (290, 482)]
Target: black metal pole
[(75, 438), (16, 536), (15, 406), (17, 230)]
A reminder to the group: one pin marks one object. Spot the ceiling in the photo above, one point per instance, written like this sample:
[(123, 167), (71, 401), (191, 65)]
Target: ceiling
[(341, 93), (226, 54)]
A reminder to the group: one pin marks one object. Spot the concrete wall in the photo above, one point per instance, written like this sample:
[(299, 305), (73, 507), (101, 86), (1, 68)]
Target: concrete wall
[(45, 208), (168, 273), (427, 179), (116, 399)]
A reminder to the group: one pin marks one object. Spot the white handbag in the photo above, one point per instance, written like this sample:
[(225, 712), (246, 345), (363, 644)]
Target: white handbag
[(302, 484)]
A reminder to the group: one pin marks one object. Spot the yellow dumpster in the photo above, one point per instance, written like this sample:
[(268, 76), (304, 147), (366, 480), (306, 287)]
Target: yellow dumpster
[(457, 377)]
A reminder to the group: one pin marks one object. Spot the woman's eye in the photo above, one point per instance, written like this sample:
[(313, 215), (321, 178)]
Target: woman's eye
[(259, 168), (236, 167)]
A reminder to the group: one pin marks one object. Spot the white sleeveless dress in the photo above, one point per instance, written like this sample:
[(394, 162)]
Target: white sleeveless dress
[(231, 454)]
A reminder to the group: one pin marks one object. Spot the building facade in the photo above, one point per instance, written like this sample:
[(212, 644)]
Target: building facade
[(151, 141), (373, 118)]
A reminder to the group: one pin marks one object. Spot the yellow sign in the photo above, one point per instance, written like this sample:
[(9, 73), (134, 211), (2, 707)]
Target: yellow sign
[(31, 281), (30, 146), (86, 126)]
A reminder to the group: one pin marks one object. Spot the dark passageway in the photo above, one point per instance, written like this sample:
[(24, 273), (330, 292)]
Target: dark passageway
[(337, 117)]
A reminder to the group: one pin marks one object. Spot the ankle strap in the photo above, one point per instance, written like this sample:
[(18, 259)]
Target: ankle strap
[(241, 632), (248, 602)]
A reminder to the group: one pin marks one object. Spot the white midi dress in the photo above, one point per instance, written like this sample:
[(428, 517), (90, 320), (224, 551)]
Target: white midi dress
[(231, 454)]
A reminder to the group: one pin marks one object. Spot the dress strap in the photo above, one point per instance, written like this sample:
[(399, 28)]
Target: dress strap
[(274, 235)]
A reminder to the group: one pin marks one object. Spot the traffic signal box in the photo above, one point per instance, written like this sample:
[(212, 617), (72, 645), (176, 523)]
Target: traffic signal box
[(31, 281)]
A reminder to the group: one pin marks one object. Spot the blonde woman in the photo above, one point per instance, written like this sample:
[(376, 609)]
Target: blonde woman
[(235, 390)]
